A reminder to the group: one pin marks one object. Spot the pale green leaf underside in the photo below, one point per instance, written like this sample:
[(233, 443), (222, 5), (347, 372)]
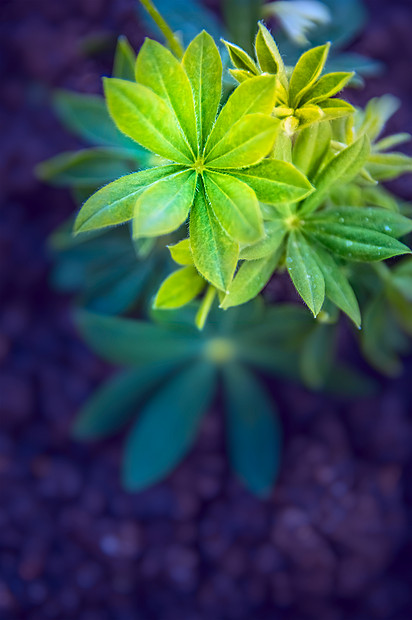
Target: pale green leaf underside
[(181, 252), (179, 288)]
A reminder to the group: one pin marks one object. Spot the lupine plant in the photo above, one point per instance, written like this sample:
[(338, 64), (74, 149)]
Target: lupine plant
[(280, 178)]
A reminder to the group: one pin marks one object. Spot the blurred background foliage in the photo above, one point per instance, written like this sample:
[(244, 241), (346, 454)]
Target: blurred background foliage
[(173, 371)]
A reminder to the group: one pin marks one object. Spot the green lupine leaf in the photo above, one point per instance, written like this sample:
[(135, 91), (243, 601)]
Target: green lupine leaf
[(124, 60), (203, 66), (87, 117), (387, 166), (402, 277), (86, 168), (306, 72), (308, 114), (165, 205), (305, 272), (401, 307), (115, 203), (267, 53), (355, 243), (341, 169), (181, 252), (381, 220), (146, 118), (251, 278), (240, 58), (337, 287), (381, 338), (335, 108), (134, 343), (179, 288), (240, 76), (317, 356), (377, 112), (275, 182), (159, 70), (275, 232), (390, 141), (167, 426), (255, 96), (246, 143), (253, 431), (235, 205), (114, 404), (215, 254), (310, 148), (326, 87)]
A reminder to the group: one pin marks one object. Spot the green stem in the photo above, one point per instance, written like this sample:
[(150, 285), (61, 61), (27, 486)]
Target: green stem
[(168, 33), (205, 307)]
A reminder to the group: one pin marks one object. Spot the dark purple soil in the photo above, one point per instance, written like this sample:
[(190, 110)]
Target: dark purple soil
[(332, 543)]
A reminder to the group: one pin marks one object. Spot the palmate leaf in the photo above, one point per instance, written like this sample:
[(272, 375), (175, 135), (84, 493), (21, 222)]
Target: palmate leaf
[(256, 96), (354, 242), (235, 206), (135, 343), (335, 108), (246, 143), (253, 430), (215, 254), (159, 70), (165, 205), (388, 166), (275, 182), (306, 72), (326, 87), (147, 118), (167, 426), (179, 288), (267, 53), (310, 148), (115, 203), (203, 67), (341, 169), (114, 404), (241, 59), (305, 273)]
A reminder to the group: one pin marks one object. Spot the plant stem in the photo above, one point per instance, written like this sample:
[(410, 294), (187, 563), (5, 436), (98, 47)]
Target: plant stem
[(205, 307), (168, 33)]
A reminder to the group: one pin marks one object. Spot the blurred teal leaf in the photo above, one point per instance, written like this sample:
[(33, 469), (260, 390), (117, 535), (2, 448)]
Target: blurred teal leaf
[(253, 430), (114, 404), (167, 426), (124, 60)]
